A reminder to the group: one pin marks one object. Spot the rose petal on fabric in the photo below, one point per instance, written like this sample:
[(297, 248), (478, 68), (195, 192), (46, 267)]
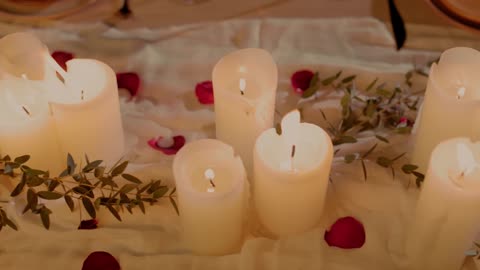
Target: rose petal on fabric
[(404, 122), (129, 81), (301, 80), (100, 260), (346, 233), (178, 143), (88, 224), (204, 92), (62, 58)]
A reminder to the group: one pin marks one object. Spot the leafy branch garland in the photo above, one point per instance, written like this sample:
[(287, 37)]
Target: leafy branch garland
[(78, 184)]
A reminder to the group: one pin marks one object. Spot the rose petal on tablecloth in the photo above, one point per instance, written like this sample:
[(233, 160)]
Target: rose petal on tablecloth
[(178, 143), (346, 233), (204, 92), (62, 58), (301, 80), (88, 224), (100, 260), (129, 81)]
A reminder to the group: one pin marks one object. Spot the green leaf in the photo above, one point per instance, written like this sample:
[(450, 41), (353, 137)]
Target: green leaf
[(371, 85), (114, 212), (69, 202), (160, 192), (370, 151), (331, 79), (22, 159), (49, 195), (384, 162), (127, 188), (131, 178), (383, 139), (19, 188), (278, 128), (409, 168), (92, 165), (344, 139), (32, 200), (99, 172), (120, 168), (88, 205), (174, 204), (350, 158), (70, 164), (349, 79), (45, 216)]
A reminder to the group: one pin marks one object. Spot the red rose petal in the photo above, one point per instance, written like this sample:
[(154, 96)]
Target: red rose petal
[(88, 224), (62, 58), (347, 233), (404, 122), (178, 143), (100, 260), (204, 92), (301, 80), (129, 81)]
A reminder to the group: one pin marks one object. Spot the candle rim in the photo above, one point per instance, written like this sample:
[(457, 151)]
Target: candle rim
[(324, 138), (239, 182)]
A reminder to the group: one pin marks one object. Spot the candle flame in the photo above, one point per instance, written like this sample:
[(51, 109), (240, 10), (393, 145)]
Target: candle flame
[(461, 92), (242, 85), (466, 159)]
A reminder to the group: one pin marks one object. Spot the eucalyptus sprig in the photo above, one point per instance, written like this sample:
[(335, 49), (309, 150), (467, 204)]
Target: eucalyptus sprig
[(376, 108), (92, 186)]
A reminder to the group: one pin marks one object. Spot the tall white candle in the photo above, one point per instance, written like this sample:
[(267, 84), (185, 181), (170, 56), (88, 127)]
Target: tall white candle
[(87, 112), (244, 86), (212, 196), (452, 103), (447, 218), (291, 174), (26, 126)]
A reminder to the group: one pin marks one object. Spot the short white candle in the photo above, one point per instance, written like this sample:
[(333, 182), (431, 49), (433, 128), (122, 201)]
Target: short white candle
[(291, 174), (447, 218), (451, 105), (212, 196), (87, 112), (26, 126), (244, 85)]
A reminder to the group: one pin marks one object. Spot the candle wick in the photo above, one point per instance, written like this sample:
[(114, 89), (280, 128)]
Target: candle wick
[(292, 155), (241, 92), (293, 151), (26, 111), (211, 182), (82, 94)]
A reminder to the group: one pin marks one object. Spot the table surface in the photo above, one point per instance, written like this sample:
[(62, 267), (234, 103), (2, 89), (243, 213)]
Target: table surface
[(157, 51)]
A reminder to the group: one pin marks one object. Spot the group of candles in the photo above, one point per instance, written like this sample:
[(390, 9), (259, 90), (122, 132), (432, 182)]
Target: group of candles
[(48, 112)]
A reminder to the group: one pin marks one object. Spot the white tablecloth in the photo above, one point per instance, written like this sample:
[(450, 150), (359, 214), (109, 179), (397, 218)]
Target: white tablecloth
[(171, 61)]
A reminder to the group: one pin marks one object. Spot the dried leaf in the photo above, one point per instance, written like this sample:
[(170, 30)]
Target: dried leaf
[(331, 79), (384, 162), (114, 212), (174, 204), (91, 166), (278, 128), (98, 172), (32, 200), (350, 158), (369, 151), (371, 85), (312, 88), (364, 168), (45, 216), (160, 192), (127, 188), (19, 188), (383, 139), (348, 79), (70, 164), (69, 202)]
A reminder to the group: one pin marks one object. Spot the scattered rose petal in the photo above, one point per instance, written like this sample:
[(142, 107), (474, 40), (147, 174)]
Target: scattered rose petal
[(88, 224), (178, 143), (62, 58), (347, 233), (204, 92), (100, 260), (301, 80), (404, 122), (129, 81)]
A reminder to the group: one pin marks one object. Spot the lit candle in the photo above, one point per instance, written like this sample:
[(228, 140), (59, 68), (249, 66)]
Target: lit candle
[(26, 126), (452, 103), (291, 174), (212, 196), (244, 85), (447, 220), (87, 111)]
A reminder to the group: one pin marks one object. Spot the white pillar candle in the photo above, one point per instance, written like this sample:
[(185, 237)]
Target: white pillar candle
[(452, 103), (244, 87), (26, 126), (447, 218), (291, 174), (212, 196), (87, 112)]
